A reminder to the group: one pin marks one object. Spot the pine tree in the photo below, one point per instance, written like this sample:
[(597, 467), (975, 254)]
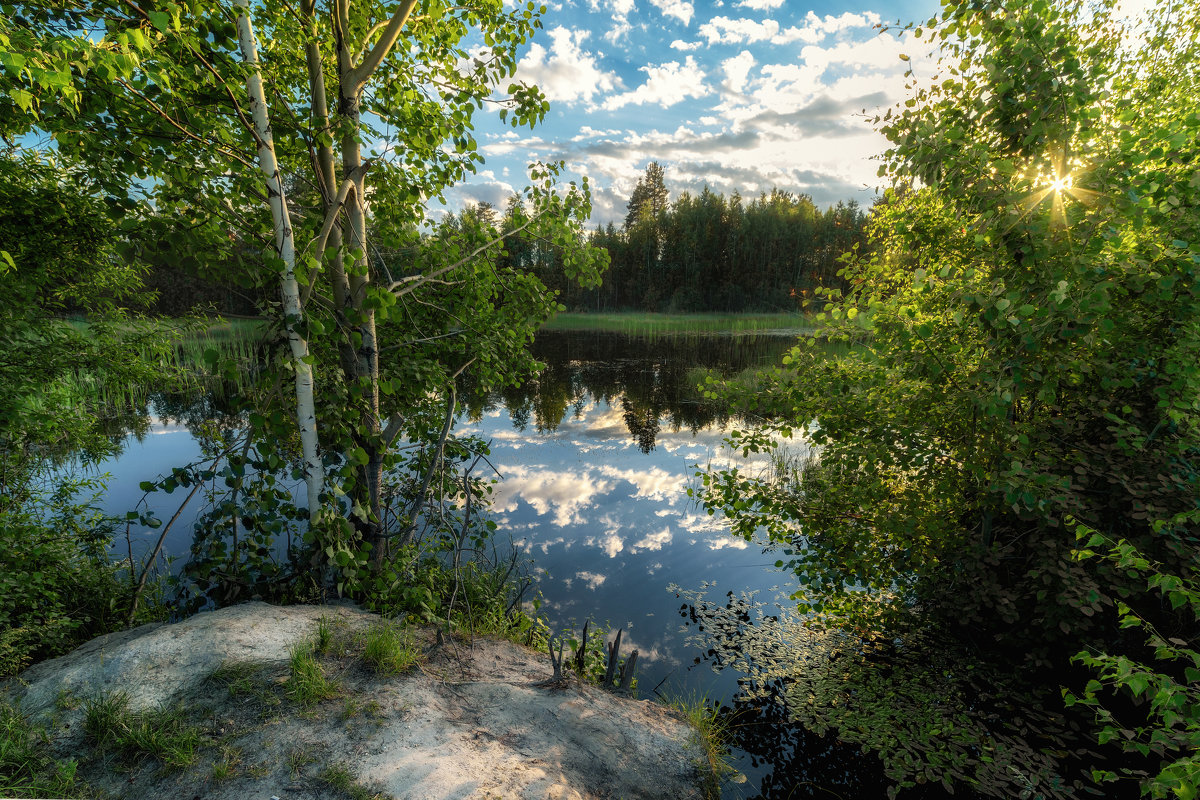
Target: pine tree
[(649, 194)]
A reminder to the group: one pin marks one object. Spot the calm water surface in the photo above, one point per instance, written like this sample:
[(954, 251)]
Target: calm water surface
[(593, 461)]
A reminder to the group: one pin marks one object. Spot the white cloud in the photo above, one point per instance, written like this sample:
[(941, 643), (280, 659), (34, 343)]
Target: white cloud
[(655, 483), (610, 543), (760, 5), (592, 579), (567, 72), (728, 30), (680, 44), (728, 541), (486, 188), (653, 541), (619, 10), (546, 544), (666, 85), (737, 70), (565, 494), (725, 30), (680, 9), (618, 31)]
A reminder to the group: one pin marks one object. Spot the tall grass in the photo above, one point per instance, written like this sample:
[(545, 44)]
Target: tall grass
[(711, 730), (635, 323), (182, 363)]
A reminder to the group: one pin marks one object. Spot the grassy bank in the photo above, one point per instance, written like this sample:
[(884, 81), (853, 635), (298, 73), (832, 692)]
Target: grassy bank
[(637, 323)]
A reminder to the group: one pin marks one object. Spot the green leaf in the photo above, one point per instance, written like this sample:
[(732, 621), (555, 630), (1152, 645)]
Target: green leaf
[(22, 98)]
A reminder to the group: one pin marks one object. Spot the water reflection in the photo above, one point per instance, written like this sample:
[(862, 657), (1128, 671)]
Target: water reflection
[(646, 386), (593, 460)]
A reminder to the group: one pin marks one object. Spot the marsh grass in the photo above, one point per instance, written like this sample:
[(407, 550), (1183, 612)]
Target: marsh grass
[(635, 323), (711, 728), (162, 734), (194, 348)]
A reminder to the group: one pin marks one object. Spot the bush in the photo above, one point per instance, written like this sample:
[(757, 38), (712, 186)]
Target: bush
[(58, 587)]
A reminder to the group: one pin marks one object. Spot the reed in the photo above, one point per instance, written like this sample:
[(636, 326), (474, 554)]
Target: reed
[(636, 323)]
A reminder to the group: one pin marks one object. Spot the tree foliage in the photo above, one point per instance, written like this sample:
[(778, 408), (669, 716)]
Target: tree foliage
[(1028, 339), (709, 252), (163, 104), (63, 380)]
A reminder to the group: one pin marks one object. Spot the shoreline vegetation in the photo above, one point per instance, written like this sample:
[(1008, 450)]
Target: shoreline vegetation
[(220, 328), (639, 323)]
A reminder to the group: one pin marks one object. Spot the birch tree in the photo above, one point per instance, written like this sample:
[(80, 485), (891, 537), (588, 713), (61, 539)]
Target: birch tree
[(372, 118), (285, 248)]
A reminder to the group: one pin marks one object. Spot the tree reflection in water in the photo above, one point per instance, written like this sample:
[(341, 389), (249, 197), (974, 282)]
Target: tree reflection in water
[(652, 380)]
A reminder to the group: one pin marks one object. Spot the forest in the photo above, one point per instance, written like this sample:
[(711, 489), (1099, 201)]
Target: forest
[(701, 247), (709, 252)]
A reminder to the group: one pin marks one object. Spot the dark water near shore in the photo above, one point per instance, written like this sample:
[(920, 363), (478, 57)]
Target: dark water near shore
[(593, 461)]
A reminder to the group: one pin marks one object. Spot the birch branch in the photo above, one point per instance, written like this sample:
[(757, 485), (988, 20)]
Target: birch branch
[(358, 76), (413, 282)]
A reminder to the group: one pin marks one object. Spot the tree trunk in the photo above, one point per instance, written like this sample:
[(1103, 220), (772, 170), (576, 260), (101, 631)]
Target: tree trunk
[(306, 417), (331, 253), (366, 363)]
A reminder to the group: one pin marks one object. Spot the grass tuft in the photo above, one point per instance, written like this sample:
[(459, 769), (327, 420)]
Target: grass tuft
[(712, 732), (390, 650), (308, 684), (27, 769), (226, 765), (340, 778), (324, 641), (245, 679), (162, 734), (298, 759)]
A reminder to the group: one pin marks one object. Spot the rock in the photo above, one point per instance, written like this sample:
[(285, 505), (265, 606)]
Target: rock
[(471, 721)]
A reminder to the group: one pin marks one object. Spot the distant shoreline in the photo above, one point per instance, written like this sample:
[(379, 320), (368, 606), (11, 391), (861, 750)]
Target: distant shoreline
[(642, 322)]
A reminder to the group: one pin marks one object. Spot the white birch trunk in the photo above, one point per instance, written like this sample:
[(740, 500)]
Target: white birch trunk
[(306, 416)]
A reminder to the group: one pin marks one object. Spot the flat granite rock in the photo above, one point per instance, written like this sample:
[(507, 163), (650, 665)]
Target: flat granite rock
[(473, 720)]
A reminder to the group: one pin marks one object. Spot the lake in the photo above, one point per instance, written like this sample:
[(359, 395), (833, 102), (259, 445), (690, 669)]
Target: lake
[(593, 460)]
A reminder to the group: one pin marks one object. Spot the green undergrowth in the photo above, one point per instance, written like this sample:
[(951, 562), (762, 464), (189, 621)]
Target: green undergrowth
[(472, 599)]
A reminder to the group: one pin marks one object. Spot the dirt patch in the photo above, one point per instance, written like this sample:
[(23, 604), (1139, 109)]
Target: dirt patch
[(470, 720)]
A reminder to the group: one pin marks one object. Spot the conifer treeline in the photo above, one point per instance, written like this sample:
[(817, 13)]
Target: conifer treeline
[(704, 252), (707, 252)]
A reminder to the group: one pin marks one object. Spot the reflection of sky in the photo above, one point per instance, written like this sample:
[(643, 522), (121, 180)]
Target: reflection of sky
[(612, 526), (167, 445), (608, 526)]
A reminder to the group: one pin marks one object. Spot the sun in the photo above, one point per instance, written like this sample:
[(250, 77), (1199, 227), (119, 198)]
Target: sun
[(1058, 184), (1062, 184)]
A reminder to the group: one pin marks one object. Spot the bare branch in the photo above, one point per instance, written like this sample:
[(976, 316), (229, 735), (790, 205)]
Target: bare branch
[(413, 282), (451, 406)]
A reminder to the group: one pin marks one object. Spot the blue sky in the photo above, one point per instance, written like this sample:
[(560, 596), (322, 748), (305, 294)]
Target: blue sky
[(740, 95)]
